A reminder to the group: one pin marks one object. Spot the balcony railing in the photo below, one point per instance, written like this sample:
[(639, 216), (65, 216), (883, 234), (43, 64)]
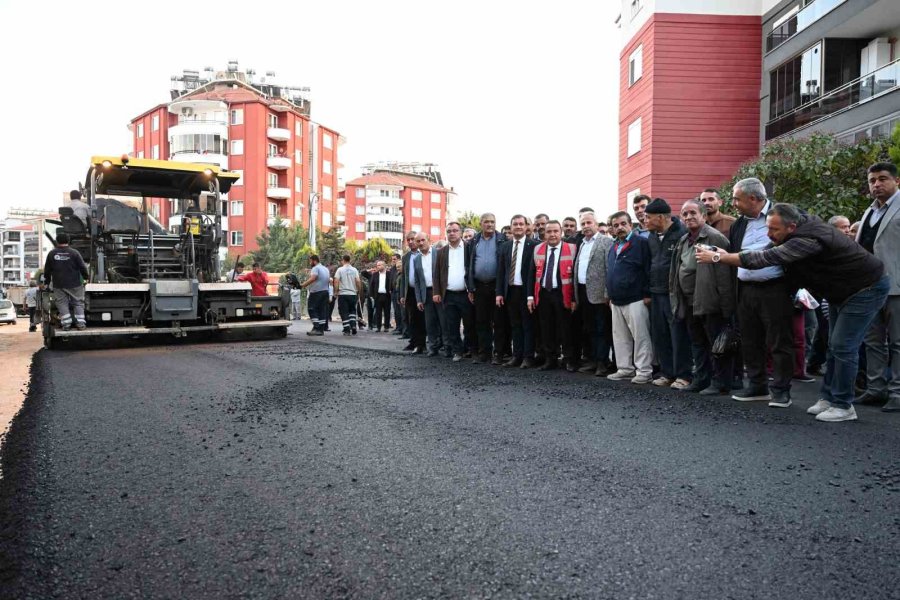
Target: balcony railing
[(811, 13), (860, 90)]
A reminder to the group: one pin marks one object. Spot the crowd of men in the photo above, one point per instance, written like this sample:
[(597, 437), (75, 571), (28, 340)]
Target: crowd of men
[(698, 301)]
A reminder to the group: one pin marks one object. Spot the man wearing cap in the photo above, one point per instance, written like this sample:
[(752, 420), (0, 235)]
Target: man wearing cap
[(669, 334)]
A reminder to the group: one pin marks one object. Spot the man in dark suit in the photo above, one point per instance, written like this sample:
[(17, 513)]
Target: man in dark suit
[(399, 312), (408, 295), (381, 282), (481, 283), (450, 289), (515, 262)]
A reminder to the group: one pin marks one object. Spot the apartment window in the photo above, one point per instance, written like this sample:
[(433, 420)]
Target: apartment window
[(298, 185), (273, 120), (298, 157), (636, 65), (237, 238), (273, 209), (796, 82), (272, 179), (417, 212), (237, 147), (435, 231), (326, 192), (155, 151), (326, 141), (326, 219), (360, 209), (239, 173), (436, 197), (298, 213), (435, 213), (360, 228), (326, 167), (416, 194), (140, 130), (140, 154), (237, 208), (360, 192), (298, 128), (634, 137), (273, 150), (154, 123), (237, 116)]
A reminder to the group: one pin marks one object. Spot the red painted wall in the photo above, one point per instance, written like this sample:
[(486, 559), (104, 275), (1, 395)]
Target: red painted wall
[(698, 100)]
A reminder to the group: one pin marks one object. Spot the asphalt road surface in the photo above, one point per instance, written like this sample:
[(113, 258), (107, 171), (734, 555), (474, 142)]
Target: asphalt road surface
[(300, 468)]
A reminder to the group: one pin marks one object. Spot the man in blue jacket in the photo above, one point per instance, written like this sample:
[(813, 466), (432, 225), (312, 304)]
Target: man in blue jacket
[(628, 283)]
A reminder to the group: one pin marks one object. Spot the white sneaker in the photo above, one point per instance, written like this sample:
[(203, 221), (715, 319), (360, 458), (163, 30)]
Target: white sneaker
[(620, 375), (680, 384), (835, 414), (662, 382), (641, 379), (819, 407)]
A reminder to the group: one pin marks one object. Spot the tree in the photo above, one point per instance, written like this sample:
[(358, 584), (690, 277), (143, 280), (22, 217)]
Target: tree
[(894, 150), (470, 219), (330, 247), (279, 246), (818, 174)]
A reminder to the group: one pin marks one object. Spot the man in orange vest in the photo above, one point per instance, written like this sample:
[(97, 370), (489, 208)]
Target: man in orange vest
[(552, 292)]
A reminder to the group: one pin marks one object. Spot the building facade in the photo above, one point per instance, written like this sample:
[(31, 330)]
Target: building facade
[(830, 66), (288, 163), (386, 203), (689, 95)]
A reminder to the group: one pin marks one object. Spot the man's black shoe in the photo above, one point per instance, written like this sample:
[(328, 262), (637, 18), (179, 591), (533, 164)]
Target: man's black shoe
[(893, 405), (404, 337), (315, 332), (409, 347), (513, 362), (477, 359), (497, 361), (572, 367), (868, 397), (432, 353), (548, 366), (420, 350), (696, 386), (528, 363)]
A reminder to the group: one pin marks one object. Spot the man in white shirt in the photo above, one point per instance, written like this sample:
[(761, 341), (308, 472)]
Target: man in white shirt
[(594, 315), (450, 290), (380, 286), (424, 289), (516, 260)]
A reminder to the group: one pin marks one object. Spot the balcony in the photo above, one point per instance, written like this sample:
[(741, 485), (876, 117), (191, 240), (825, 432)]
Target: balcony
[(279, 134), (203, 158), (199, 127), (810, 14), (279, 163), (278, 193), (272, 220), (858, 91), (193, 106)]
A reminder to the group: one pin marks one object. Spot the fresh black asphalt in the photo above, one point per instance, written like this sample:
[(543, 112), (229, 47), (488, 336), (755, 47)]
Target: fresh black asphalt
[(298, 468)]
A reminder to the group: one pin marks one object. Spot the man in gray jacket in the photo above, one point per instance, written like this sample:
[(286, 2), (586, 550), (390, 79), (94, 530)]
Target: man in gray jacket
[(593, 303)]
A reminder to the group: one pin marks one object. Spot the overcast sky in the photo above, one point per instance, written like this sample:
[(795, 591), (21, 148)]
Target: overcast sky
[(517, 105)]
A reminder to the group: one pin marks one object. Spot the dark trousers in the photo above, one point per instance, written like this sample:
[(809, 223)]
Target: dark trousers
[(370, 311), (347, 310), (521, 322), (399, 312), (596, 328), (671, 341), (382, 312), (457, 309), (486, 317), (416, 320), (317, 306), (469, 332), (432, 322), (765, 313), (704, 329), (820, 342), (556, 326)]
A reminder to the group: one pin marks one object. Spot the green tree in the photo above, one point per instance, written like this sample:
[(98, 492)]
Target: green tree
[(894, 150), (818, 174), (278, 247), (330, 247), (470, 219)]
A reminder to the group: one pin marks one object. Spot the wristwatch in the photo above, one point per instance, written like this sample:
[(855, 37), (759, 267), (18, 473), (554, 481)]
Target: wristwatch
[(716, 257)]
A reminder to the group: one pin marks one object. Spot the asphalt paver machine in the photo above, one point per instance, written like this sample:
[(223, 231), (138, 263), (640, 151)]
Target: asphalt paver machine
[(149, 279)]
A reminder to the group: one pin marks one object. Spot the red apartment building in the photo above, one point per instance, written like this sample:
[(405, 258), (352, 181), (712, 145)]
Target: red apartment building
[(690, 74), (258, 129), (386, 203)]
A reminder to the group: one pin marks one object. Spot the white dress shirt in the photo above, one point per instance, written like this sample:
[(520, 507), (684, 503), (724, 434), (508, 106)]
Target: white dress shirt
[(584, 257), (517, 272), (456, 268), (426, 267), (382, 283), (756, 238)]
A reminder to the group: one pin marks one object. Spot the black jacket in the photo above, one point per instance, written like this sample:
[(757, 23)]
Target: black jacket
[(661, 256), (505, 258), (65, 268), (388, 284)]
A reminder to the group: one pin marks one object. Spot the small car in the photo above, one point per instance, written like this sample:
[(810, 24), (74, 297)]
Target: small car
[(7, 312)]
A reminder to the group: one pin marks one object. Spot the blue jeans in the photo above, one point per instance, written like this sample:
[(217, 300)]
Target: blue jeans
[(671, 341), (848, 324)]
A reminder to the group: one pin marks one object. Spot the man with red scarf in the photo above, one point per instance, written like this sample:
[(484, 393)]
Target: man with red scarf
[(552, 288)]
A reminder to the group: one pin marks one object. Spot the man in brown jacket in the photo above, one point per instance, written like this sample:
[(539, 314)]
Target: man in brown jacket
[(715, 218), (449, 289)]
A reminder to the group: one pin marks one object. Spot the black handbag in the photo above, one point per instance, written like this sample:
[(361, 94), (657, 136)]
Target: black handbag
[(726, 342)]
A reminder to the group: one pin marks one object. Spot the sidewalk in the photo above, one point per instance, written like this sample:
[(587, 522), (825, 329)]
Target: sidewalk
[(16, 349)]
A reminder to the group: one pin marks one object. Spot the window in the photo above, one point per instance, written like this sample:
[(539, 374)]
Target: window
[(140, 130), (360, 192), (140, 154), (298, 128), (326, 192), (435, 231), (326, 141), (237, 238), (326, 219), (795, 82), (154, 123), (239, 173), (155, 151), (237, 116), (417, 212), (225, 209), (634, 137), (636, 65), (272, 179), (237, 208), (416, 194), (298, 213), (273, 120), (435, 213), (436, 197), (273, 150), (360, 209), (298, 185), (298, 157), (237, 147), (360, 227), (273, 209), (326, 167)]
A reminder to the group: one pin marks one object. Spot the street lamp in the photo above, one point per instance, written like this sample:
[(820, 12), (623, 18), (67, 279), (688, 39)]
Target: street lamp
[(313, 207)]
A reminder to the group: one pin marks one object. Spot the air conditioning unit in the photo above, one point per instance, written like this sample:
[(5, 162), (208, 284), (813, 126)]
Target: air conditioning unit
[(187, 111)]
